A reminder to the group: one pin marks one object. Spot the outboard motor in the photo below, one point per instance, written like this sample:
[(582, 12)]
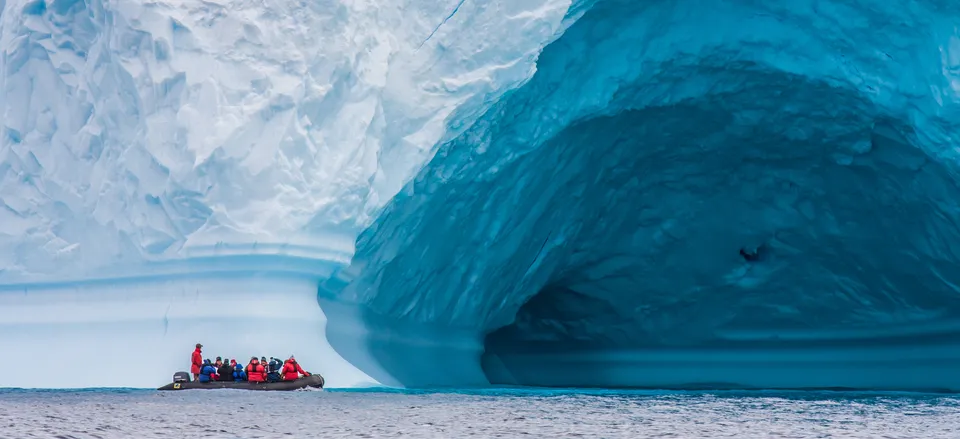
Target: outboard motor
[(181, 377)]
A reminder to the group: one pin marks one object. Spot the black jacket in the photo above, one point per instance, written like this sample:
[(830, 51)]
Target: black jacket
[(225, 372)]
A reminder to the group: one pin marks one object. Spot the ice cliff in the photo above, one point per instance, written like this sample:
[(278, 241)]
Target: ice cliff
[(170, 169), (528, 192)]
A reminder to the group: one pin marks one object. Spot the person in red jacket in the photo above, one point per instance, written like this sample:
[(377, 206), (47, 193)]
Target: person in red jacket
[(196, 362), (255, 371), (291, 370)]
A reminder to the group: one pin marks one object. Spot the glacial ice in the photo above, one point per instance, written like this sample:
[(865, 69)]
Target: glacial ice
[(585, 231), (153, 149), (458, 193)]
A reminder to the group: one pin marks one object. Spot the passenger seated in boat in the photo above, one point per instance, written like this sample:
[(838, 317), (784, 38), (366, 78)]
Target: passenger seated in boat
[(207, 372), (238, 373), (273, 370), (292, 370), (225, 372), (255, 371)]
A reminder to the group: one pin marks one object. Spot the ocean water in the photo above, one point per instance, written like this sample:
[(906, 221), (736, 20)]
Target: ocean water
[(487, 413)]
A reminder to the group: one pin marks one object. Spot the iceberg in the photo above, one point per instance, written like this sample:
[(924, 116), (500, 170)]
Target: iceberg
[(183, 171), (734, 195), (463, 193)]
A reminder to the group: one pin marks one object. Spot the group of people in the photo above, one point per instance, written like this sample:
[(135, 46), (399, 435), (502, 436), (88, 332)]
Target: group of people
[(256, 371)]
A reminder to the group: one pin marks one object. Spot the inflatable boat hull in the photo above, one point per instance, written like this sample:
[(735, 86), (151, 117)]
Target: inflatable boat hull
[(314, 381)]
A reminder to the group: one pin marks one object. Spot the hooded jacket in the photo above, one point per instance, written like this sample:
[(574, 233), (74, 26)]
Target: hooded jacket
[(207, 372), (238, 373)]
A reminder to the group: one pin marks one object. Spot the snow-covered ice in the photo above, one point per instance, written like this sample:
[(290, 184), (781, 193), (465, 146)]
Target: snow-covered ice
[(137, 132), (462, 192), (221, 139)]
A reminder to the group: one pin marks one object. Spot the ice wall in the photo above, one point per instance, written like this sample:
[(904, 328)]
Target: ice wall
[(587, 229), (142, 142), (151, 131), (595, 168)]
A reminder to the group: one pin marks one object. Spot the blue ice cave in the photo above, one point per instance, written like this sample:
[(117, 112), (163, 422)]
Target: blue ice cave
[(686, 194)]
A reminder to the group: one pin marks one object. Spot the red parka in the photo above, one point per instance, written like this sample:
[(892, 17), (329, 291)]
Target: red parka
[(291, 370), (196, 361), (255, 372)]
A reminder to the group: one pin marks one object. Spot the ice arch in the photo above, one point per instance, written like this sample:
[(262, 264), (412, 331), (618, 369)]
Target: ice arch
[(586, 230)]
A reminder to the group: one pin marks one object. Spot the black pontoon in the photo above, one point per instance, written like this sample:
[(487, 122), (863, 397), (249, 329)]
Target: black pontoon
[(314, 381)]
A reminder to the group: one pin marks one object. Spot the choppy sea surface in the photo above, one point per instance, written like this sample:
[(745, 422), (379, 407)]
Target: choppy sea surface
[(486, 413)]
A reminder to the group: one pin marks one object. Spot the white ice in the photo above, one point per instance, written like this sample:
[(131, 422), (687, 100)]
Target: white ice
[(143, 145)]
